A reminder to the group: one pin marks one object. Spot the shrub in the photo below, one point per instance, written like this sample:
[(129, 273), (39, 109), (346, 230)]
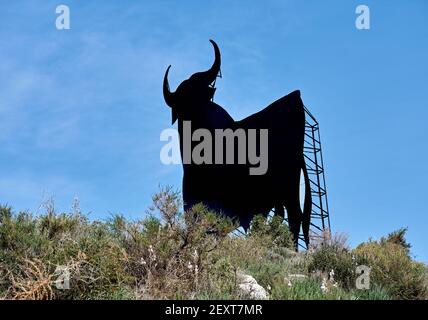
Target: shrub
[(177, 257), (393, 269), (272, 230), (189, 255), (398, 237), (332, 253)]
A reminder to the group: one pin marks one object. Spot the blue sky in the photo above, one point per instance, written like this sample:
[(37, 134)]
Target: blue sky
[(81, 110)]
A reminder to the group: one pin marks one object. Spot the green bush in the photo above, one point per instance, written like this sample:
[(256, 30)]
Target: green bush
[(273, 230), (333, 254), (393, 269), (33, 248), (190, 255)]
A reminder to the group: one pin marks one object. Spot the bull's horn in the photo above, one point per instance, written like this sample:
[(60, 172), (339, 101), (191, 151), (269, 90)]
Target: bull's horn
[(210, 75), (167, 94)]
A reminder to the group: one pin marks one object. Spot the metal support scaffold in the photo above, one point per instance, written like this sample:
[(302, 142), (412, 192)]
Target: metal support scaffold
[(320, 216)]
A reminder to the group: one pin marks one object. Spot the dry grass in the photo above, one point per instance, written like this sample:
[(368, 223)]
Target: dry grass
[(34, 282)]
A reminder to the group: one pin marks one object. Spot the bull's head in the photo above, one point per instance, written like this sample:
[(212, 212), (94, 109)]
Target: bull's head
[(194, 92)]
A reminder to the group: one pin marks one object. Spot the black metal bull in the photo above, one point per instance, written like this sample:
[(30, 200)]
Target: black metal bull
[(229, 188)]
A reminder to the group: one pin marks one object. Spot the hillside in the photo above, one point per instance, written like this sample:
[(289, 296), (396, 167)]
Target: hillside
[(192, 255)]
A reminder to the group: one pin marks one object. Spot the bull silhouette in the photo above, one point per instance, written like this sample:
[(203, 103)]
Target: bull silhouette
[(229, 188)]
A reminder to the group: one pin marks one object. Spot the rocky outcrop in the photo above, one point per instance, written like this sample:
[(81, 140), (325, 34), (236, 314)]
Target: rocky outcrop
[(250, 289)]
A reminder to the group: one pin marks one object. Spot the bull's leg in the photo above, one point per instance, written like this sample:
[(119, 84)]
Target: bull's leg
[(294, 213), (279, 210)]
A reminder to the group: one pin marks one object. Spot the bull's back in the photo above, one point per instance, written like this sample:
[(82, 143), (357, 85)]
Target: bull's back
[(285, 121)]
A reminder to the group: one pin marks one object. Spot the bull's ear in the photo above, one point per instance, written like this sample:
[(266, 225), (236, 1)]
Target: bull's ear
[(174, 115)]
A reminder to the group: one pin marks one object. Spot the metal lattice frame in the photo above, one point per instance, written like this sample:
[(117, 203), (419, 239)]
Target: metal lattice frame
[(320, 215)]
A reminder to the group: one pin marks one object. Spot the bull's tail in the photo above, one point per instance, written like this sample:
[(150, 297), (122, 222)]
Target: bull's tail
[(307, 206)]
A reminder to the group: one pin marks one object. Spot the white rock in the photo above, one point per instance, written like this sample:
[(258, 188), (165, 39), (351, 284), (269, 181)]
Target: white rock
[(249, 288)]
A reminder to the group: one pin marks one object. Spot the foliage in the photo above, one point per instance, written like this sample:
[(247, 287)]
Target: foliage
[(392, 268), (272, 230), (332, 253), (189, 255)]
